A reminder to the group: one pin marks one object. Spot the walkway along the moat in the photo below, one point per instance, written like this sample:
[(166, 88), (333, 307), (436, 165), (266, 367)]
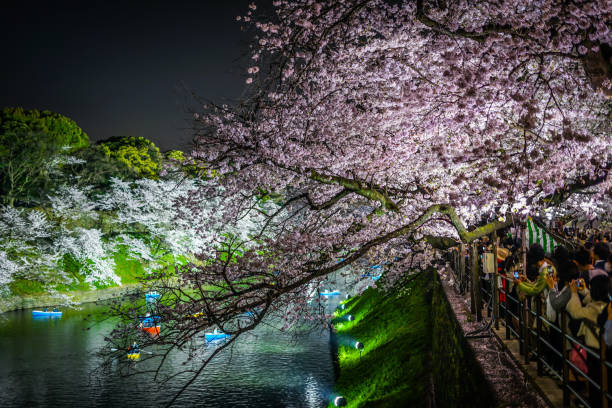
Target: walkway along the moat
[(512, 384)]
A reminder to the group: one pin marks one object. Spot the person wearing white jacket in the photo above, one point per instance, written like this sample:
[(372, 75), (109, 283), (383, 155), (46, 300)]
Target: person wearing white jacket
[(588, 313)]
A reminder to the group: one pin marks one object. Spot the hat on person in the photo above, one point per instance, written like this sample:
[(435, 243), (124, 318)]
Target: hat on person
[(503, 253)]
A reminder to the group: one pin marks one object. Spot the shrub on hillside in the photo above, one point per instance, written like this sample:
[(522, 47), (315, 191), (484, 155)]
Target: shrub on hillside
[(139, 154)]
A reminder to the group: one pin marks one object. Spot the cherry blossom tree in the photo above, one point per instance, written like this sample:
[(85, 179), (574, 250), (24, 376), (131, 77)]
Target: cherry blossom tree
[(155, 211), (383, 124), (383, 129), (27, 246)]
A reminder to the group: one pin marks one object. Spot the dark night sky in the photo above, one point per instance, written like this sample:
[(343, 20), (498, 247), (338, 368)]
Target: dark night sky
[(120, 67)]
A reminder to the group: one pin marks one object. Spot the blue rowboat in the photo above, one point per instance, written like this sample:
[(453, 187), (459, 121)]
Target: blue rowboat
[(252, 313), (375, 278), (148, 321), (152, 296), (42, 313), (334, 293), (216, 335)]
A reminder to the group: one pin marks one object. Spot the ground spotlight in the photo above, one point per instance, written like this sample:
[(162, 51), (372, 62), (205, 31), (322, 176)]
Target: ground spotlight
[(349, 318), (340, 401), (342, 306), (347, 296), (358, 345)]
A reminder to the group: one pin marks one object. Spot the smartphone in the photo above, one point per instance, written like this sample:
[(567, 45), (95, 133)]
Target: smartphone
[(550, 271), (516, 275), (578, 283)]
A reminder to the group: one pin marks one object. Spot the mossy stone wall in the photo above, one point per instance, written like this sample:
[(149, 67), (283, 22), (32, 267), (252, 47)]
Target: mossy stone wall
[(458, 378)]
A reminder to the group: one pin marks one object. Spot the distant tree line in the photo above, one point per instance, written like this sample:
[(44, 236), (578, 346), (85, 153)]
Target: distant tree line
[(39, 150), (75, 213)]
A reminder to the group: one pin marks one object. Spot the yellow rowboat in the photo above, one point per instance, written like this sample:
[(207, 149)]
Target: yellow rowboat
[(195, 315), (133, 356)]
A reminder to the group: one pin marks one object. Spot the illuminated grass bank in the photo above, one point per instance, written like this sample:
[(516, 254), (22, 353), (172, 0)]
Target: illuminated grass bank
[(413, 351)]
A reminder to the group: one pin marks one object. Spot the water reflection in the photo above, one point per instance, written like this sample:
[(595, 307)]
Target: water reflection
[(51, 362)]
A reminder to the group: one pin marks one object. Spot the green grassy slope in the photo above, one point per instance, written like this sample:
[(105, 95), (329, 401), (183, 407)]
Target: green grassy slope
[(392, 370), (414, 351), (129, 270)]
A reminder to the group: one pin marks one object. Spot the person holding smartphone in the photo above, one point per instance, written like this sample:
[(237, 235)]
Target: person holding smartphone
[(536, 260), (594, 303)]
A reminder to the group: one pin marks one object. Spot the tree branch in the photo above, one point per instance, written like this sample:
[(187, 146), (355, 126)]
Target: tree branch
[(357, 187)]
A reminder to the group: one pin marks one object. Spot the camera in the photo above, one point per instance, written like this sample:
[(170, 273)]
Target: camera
[(516, 275)]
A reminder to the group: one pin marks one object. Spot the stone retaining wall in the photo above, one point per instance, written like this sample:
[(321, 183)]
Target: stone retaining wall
[(48, 300)]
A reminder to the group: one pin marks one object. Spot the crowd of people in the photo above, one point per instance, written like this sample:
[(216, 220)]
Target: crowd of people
[(574, 280)]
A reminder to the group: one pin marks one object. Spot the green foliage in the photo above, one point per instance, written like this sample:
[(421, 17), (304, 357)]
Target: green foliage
[(188, 165), (175, 155), (98, 167), (139, 154), (29, 142), (264, 196), (25, 287), (73, 268), (129, 270), (42, 151), (25, 171), (63, 131)]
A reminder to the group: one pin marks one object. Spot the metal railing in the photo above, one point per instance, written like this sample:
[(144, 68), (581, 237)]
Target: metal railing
[(535, 341), (548, 344)]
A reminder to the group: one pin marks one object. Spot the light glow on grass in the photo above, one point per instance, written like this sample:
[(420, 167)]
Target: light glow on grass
[(382, 350), (339, 401)]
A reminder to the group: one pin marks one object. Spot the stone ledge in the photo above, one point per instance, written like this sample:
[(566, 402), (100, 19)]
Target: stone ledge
[(47, 300), (512, 386)]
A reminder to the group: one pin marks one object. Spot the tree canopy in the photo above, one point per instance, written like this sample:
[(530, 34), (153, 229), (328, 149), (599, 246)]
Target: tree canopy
[(64, 131), (385, 123), (139, 154)]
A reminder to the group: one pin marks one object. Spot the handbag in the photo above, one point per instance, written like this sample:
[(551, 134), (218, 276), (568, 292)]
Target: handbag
[(578, 358)]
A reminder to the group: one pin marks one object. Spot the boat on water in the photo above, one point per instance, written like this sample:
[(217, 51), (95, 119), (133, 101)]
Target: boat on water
[(133, 356), (331, 293), (46, 313), (217, 335), (152, 296), (152, 330), (252, 313), (151, 325)]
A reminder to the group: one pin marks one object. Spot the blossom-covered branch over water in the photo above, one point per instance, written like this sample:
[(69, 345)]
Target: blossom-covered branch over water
[(373, 129), (371, 117)]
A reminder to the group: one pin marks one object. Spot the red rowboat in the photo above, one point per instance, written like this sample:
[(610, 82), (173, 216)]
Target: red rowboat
[(153, 330)]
